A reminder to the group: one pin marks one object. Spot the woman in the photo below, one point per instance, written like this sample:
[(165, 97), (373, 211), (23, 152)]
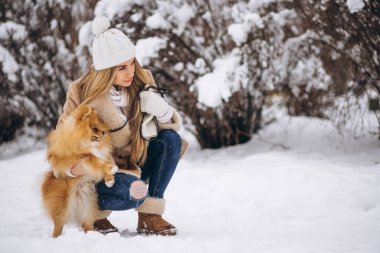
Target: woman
[(116, 86)]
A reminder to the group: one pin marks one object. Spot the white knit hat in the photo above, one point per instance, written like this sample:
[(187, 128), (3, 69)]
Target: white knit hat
[(110, 46)]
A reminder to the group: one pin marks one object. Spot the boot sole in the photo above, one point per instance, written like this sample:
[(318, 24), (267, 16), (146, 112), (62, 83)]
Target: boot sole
[(167, 232), (107, 231)]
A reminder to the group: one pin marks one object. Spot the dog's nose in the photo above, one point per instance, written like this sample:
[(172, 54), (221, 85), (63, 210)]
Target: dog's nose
[(103, 132)]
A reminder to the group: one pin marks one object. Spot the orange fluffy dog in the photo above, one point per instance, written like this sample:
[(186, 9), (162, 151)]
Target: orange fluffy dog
[(74, 198)]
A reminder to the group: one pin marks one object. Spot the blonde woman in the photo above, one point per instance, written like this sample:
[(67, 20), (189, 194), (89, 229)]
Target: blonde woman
[(143, 128)]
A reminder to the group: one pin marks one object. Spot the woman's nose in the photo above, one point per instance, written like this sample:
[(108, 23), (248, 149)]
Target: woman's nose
[(130, 73)]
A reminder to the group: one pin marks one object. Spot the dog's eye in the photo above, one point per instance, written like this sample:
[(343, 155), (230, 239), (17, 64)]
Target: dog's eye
[(94, 129)]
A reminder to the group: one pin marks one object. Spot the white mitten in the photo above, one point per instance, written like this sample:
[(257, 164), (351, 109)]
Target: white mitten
[(153, 104), (148, 127)]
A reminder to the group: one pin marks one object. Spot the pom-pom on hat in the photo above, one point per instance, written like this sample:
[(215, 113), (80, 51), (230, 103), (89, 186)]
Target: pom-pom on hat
[(110, 46)]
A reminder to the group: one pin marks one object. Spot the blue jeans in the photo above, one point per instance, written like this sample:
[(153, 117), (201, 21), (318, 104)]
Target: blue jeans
[(158, 169)]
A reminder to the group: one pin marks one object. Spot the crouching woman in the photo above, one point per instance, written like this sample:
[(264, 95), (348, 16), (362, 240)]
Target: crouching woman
[(118, 88)]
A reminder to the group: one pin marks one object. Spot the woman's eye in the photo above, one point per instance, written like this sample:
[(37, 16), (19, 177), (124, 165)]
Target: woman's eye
[(121, 68)]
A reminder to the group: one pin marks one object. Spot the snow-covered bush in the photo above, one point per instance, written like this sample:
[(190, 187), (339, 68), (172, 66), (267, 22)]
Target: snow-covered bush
[(38, 60), (188, 49), (222, 61), (249, 49), (349, 44)]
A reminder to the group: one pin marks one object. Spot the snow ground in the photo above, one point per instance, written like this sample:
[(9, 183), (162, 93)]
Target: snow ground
[(296, 187)]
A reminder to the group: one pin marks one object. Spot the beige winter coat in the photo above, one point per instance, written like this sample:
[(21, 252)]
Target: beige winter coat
[(108, 113)]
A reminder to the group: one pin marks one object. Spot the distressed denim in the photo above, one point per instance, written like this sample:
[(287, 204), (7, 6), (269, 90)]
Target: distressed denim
[(158, 169), (117, 197)]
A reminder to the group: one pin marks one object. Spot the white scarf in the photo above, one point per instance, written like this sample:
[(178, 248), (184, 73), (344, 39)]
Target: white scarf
[(119, 99)]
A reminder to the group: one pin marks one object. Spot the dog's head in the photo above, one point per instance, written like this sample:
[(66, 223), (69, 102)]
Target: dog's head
[(90, 125)]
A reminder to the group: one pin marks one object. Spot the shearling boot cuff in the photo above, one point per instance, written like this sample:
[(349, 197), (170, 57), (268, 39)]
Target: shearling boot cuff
[(152, 206)]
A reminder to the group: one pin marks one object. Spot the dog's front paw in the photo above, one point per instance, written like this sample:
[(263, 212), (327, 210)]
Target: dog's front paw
[(114, 169), (110, 183)]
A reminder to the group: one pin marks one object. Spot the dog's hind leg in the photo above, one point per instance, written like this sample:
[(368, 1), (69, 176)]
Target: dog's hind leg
[(88, 222), (87, 206), (58, 227), (88, 226), (59, 216)]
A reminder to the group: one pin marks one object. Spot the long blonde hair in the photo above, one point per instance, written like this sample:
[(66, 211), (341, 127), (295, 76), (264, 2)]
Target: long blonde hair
[(98, 82)]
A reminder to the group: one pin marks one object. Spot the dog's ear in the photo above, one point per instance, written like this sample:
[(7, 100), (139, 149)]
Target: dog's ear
[(93, 116), (86, 114)]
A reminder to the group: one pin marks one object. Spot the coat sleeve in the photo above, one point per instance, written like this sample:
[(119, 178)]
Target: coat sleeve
[(72, 102)]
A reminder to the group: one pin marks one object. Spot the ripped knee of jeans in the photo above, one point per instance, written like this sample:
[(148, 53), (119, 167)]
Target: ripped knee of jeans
[(138, 189)]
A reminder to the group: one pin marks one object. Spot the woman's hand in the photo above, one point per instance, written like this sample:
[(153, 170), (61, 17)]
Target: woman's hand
[(78, 168), (153, 104)]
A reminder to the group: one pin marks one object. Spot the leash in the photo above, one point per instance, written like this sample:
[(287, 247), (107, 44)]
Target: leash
[(161, 91), (125, 123)]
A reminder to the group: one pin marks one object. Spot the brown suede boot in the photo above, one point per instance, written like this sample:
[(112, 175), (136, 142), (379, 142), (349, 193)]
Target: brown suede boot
[(150, 218), (154, 224), (104, 226)]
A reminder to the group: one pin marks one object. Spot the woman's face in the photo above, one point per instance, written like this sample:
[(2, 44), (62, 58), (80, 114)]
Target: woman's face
[(124, 73)]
